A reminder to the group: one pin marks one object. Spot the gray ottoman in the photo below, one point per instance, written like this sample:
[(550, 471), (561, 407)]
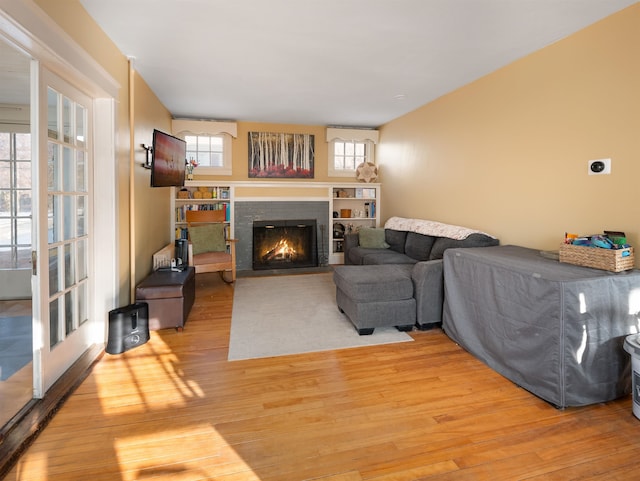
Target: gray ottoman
[(376, 296)]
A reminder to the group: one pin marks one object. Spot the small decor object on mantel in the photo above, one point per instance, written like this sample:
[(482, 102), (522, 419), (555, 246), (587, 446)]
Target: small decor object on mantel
[(367, 172)]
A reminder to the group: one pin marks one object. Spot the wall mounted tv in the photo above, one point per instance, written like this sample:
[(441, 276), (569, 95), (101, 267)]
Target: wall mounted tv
[(168, 160)]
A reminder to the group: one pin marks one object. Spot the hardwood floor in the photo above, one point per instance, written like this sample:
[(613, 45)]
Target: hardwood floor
[(176, 409)]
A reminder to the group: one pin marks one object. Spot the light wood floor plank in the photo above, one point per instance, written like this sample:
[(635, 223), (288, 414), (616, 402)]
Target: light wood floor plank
[(176, 409)]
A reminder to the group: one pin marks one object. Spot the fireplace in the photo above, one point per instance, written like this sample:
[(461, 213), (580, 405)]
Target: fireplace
[(284, 244)]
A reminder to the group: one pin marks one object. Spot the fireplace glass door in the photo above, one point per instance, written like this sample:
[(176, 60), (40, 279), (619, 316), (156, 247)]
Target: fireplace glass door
[(284, 244)]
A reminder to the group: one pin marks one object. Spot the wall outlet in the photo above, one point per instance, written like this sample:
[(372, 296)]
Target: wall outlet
[(599, 167)]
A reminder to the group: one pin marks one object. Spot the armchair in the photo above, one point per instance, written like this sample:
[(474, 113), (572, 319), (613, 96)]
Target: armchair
[(209, 249)]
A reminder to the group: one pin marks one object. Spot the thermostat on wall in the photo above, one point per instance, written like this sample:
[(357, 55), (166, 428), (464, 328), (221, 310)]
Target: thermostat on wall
[(599, 167)]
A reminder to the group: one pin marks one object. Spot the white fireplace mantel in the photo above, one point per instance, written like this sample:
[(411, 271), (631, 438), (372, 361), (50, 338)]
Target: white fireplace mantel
[(280, 190)]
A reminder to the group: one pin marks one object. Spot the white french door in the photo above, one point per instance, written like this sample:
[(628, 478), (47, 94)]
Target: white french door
[(62, 280)]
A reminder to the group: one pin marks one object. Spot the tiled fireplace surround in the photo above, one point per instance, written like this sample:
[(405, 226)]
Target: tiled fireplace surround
[(248, 211)]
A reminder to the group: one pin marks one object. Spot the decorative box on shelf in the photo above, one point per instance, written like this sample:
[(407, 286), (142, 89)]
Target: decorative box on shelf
[(614, 260)]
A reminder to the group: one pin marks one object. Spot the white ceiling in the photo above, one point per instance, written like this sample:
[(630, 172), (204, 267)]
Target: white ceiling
[(327, 62)]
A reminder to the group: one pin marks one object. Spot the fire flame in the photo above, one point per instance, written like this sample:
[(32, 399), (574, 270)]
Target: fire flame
[(283, 250)]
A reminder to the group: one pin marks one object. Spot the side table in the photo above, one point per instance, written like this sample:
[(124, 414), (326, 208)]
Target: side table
[(170, 295)]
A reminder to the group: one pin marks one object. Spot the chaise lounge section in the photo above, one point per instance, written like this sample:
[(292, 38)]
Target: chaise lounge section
[(376, 296)]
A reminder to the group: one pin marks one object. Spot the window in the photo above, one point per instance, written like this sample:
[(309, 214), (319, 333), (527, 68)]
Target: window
[(348, 148), (15, 201), (348, 154), (206, 150), (208, 143)]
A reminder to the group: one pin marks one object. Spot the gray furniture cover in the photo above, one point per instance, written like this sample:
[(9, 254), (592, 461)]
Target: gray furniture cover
[(554, 329)]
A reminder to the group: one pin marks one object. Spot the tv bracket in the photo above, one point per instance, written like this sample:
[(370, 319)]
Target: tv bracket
[(149, 149)]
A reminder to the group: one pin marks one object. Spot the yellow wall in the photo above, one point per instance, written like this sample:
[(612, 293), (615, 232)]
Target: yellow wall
[(508, 153), (152, 205)]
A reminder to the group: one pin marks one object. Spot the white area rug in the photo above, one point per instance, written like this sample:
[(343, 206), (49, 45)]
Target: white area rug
[(292, 314)]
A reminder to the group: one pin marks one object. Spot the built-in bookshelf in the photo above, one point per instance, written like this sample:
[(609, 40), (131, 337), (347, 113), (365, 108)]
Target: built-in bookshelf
[(201, 196), (350, 204), (352, 207)]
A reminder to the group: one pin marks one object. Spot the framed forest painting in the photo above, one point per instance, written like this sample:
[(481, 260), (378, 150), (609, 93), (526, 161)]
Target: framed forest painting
[(281, 155)]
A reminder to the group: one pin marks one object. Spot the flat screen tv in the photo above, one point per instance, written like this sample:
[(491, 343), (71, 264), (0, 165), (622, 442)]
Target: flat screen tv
[(168, 160)]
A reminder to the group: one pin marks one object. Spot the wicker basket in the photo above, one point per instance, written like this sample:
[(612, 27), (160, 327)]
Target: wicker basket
[(614, 260)]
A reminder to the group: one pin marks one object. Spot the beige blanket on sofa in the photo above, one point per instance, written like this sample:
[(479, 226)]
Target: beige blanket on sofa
[(432, 228)]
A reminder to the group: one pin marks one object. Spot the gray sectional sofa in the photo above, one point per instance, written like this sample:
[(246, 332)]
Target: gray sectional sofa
[(417, 248)]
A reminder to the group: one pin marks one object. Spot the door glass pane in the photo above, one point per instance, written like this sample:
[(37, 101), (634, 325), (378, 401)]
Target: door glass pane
[(54, 322), (69, 263), (80, 126), (83, 302), (69, 322), (82, 217), (66, 119), (53, 221), (81, 172), (52, 113), (82, 259), (68, 217), (68, 170), (53, 271), (53, 167)]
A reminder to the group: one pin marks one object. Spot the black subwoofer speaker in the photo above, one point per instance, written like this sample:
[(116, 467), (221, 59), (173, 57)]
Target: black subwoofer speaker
[(128, 327)]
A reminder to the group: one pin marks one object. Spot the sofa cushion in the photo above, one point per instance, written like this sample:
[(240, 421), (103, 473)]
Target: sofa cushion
[(418, 246), (474, 240), (372, 238), (360, 256), (386, 256), (396, 239)]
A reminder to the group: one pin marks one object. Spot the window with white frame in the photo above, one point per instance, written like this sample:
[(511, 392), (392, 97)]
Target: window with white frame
[(348, 154), (348, 148), (208, 144), (206, 150), (15, 200)]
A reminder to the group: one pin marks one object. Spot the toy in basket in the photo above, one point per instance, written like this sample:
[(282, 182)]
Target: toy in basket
[(599, 252)]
